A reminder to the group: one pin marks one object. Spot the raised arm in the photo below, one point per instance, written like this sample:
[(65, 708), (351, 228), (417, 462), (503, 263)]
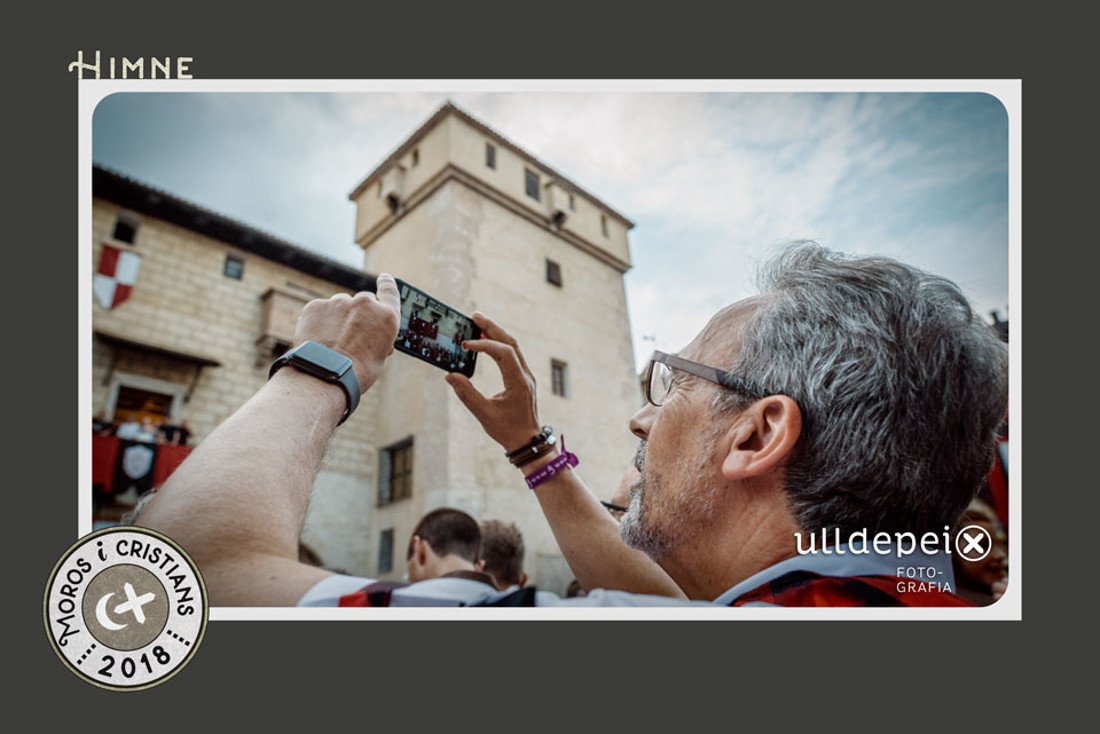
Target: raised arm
[(238, 503), (585, 532)]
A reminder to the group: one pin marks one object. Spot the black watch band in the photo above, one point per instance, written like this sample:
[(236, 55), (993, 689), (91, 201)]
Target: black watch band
[(324, 364)]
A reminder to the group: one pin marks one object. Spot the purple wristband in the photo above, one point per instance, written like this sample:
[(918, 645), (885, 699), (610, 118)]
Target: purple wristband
[(549, 471)]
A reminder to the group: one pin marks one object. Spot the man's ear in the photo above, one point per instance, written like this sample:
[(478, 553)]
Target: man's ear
[(762, 437), (480, 565), (523, 580), (420, 550)]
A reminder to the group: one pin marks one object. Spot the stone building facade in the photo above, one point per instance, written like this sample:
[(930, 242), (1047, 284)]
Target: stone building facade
[(213, 303), (459, 212), (471, 218)]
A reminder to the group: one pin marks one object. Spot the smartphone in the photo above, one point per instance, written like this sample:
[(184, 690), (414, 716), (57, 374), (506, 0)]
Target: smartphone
[(433, 331)]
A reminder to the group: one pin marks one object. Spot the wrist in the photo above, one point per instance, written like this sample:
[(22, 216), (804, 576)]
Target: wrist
[(368, 373), (551, 469), (540, 445), (326, 398), (326, 365), (541, 461), (526, 438)]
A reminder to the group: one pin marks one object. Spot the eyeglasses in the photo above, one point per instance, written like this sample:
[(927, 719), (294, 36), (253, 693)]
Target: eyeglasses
[(616, 511), (658, 378)]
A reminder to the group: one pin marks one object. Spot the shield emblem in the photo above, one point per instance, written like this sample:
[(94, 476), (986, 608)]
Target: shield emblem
[(137, 461), (115, 276)]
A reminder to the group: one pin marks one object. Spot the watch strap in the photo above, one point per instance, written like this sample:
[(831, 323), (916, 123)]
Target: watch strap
[(345, 378), (350, 382)]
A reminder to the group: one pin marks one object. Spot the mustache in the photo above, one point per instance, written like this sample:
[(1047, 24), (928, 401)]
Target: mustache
[(639, 456)]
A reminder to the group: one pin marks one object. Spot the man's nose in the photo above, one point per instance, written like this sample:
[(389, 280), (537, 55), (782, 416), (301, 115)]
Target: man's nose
[(643, 421)]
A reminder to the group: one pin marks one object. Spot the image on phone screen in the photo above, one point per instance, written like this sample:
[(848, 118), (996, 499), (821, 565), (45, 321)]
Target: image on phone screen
[(433, 331)]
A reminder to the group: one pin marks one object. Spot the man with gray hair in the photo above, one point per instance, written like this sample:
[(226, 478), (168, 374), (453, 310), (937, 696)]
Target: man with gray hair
[(854, 401)]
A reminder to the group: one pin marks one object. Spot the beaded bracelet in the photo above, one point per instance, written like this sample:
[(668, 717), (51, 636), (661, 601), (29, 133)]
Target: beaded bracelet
[(537, 453), (544, 433), (538, 446)]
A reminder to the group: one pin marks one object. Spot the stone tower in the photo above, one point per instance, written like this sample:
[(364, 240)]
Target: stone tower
[(471, 218)]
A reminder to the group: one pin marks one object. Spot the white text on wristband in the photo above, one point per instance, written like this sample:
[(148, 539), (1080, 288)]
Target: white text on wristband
[(552, 469)]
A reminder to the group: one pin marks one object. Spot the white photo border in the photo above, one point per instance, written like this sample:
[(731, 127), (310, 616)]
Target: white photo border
[(1007, 91)]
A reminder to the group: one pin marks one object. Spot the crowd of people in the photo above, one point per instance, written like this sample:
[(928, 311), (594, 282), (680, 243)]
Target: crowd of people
[(449, 356), (852, 395), (144, 431)]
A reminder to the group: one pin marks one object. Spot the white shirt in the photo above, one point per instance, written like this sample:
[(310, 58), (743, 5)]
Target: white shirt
[(455, 592)]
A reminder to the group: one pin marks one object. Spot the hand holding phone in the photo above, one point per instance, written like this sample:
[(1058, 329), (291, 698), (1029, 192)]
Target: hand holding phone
[(360, 327), (432, 331), (511, 417)]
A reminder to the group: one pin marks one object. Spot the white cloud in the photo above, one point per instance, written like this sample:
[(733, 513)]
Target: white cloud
[(712, 180)]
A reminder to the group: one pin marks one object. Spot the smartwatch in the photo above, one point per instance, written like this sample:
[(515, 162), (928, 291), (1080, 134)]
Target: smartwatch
[(324, 364)]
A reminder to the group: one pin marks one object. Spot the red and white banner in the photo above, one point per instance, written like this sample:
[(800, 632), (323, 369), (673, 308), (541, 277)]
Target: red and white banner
[(115, 276)]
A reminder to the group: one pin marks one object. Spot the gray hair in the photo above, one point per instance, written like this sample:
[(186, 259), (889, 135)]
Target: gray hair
[(900, 384)]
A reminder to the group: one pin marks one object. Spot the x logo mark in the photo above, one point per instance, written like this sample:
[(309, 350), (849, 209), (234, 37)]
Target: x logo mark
[(973, 543)]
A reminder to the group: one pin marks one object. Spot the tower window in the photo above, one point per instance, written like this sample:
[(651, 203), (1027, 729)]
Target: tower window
[(559, 378), (125, 228), (385, 551), (490, 155), (234, 266), (395, 465), (553, 272), (416, 156), (531, 182), (603, 225)]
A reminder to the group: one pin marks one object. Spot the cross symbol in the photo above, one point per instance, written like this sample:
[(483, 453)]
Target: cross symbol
[(973, 542), (134, 603)]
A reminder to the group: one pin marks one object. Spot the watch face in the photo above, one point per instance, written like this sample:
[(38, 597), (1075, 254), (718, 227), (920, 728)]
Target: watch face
[(322, 358)]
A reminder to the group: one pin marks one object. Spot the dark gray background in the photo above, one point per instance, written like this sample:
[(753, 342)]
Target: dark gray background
[(617, 676)]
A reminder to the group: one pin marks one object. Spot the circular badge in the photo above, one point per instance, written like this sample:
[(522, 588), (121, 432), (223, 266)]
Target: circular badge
[(125, 608)]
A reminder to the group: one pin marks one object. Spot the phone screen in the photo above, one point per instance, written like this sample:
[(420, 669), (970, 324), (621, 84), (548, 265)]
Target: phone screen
[(433, 331)]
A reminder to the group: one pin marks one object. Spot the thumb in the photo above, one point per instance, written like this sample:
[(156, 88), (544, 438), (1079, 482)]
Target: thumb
[(386, 291), (467, 393)]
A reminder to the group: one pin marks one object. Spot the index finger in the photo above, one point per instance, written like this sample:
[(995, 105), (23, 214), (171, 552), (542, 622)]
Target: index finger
[(493, 330), (506, 356), (387, 291)]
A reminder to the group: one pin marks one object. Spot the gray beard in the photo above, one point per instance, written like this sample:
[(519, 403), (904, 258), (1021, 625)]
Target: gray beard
[(632, 526), (677, 519)]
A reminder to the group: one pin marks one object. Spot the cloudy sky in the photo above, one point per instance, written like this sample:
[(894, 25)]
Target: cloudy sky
[(713, 181)]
